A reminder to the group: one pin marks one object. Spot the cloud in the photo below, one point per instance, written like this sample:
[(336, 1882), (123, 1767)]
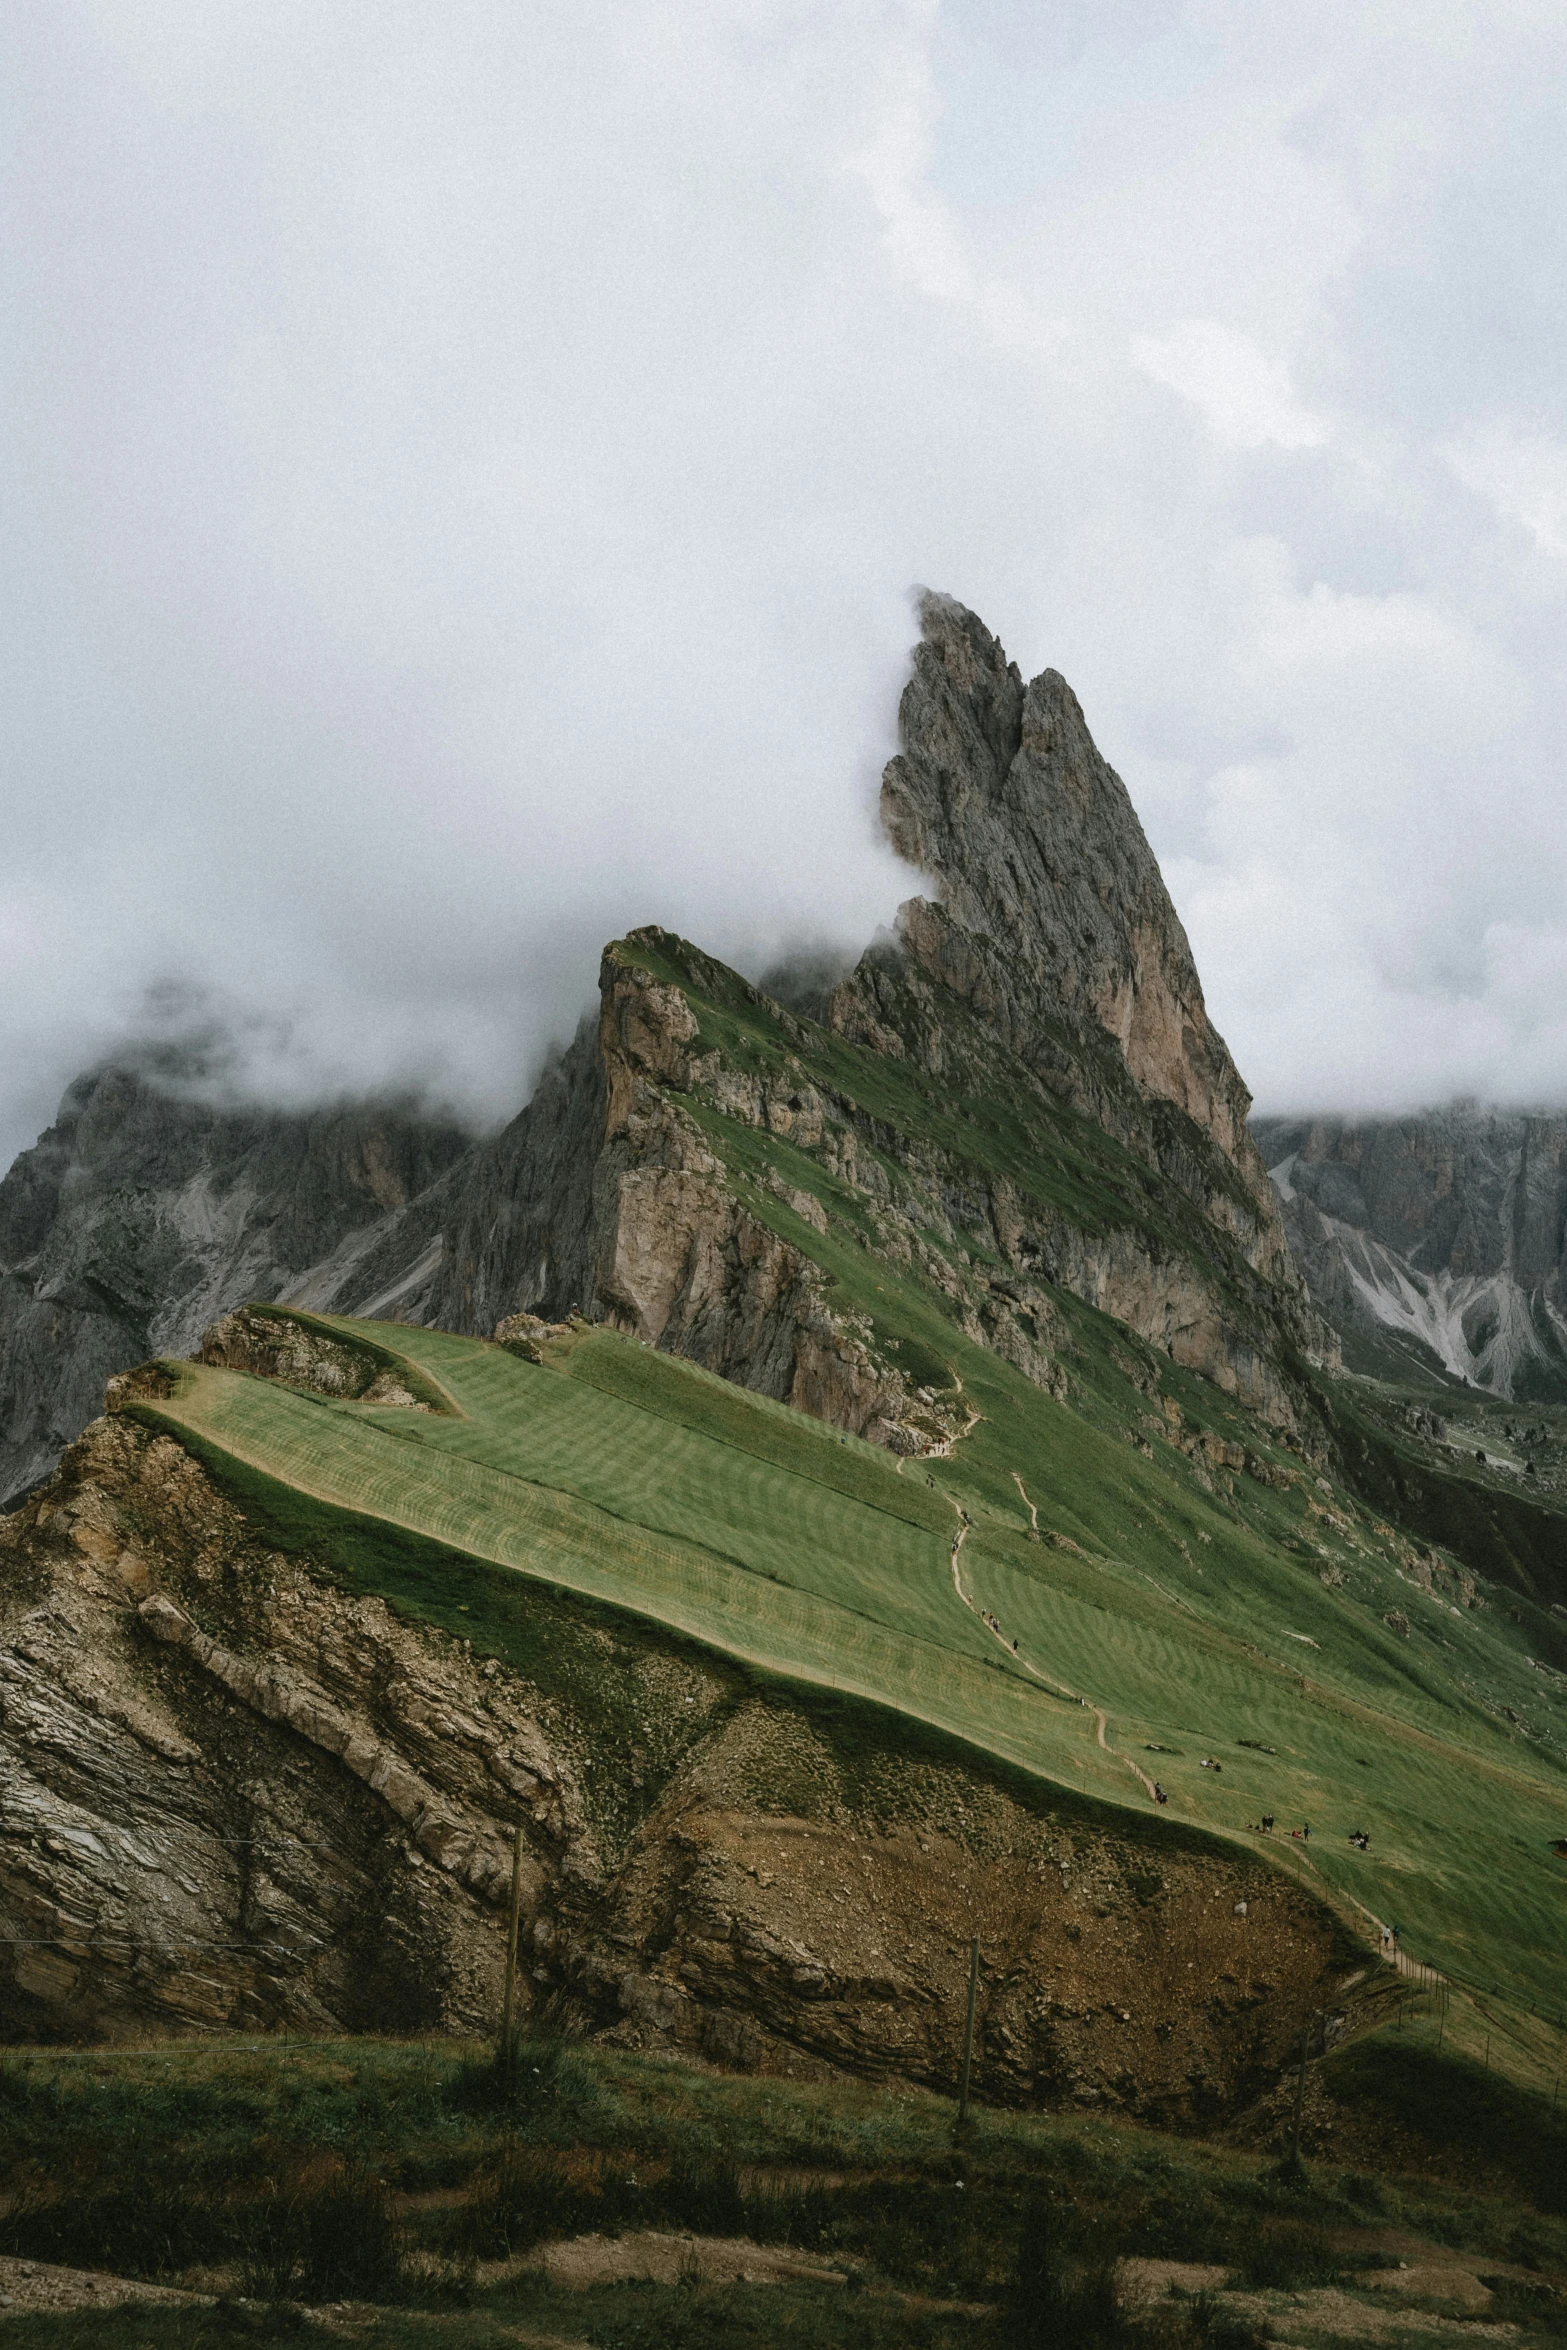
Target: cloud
[(465, 471), (1242, 394)]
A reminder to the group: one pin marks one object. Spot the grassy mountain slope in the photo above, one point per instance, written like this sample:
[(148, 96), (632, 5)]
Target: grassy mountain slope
[(1186, 1609)]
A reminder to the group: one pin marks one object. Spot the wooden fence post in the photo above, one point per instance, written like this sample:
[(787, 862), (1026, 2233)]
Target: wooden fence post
[(508, 2048), (968, 2032)]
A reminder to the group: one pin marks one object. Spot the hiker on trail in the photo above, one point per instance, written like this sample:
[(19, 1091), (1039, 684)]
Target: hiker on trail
[(1159, 1794), (1267, 1823), (1014, 1648)]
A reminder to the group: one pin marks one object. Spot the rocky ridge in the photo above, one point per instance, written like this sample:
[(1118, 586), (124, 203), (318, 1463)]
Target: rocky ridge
[(240, 1796), (1050, 975)]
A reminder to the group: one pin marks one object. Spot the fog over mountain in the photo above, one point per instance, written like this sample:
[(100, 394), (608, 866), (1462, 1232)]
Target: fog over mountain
[(465, 471)]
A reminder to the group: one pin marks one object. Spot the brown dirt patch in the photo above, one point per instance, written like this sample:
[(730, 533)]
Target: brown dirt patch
[(30, 2285), (663, 2259), (1145, 2281)]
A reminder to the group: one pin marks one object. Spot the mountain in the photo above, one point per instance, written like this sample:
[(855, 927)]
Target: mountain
[(1045, 996), (144, 1212), (1437, 1245), (1032, 1066), (840, 1477)]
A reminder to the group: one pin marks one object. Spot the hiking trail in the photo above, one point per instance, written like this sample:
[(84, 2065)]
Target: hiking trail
[(1058, 1688)]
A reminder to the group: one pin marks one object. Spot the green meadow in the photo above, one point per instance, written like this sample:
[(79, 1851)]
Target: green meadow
[(1161, 1620)]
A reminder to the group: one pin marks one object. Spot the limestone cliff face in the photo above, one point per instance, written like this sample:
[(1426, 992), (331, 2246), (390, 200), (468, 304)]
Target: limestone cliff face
[(142, 1213), (1052, 919), (1443, 1234), (236, 1795)]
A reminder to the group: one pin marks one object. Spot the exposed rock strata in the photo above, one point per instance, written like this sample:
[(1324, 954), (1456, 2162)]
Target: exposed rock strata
[(239, 1796)]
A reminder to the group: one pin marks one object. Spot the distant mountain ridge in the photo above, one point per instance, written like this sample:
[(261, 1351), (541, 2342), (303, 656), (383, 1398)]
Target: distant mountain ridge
[(1437, 1242), (141, 1214)]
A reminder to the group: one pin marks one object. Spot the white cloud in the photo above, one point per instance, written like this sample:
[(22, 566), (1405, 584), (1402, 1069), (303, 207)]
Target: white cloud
[(465, 469), (1242, 392), (1524, 474)]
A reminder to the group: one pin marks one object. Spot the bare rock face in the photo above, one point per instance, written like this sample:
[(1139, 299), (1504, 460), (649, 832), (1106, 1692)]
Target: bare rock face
[(236, 1794), (277, 1346), (1439, 1237), (1052, 919), (142, 1214)]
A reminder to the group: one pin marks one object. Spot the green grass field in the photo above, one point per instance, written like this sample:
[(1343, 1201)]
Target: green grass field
[(394, 2177), (1190, 1621)]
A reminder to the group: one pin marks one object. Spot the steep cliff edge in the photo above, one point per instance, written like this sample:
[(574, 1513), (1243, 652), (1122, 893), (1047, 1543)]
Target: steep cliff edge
[(242, 1794)]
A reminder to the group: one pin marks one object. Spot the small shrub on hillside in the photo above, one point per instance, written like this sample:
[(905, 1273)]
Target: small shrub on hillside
[(1061, 2293), (534, 2193), (320, 2242), (1529, 2302), (706, 2196), (1280, 2254)]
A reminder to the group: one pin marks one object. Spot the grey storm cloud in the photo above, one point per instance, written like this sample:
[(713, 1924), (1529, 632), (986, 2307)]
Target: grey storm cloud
[(464, 471)]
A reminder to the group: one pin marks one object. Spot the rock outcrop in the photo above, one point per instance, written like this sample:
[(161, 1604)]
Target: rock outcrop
[(235, 1794), (1440, 1240), (1053, 924)]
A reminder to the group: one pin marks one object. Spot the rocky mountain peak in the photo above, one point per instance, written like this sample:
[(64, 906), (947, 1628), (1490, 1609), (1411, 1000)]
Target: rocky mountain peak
[(1044, 874)]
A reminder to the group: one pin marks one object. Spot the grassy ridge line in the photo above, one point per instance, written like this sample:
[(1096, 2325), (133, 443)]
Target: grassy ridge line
[(1473, 1898), (734, 1417), (577, 1534), (549, 1430)]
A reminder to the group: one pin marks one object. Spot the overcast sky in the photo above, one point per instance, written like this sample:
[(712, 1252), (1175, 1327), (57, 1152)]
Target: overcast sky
[(464, 468)]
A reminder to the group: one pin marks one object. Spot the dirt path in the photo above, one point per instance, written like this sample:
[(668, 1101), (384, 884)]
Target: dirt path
[(27, 2286), (1057, 1688), (666, 2259), (1033, 1514)]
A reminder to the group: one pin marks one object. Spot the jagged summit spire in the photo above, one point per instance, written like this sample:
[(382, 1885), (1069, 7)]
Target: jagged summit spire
[(1040, 863)]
